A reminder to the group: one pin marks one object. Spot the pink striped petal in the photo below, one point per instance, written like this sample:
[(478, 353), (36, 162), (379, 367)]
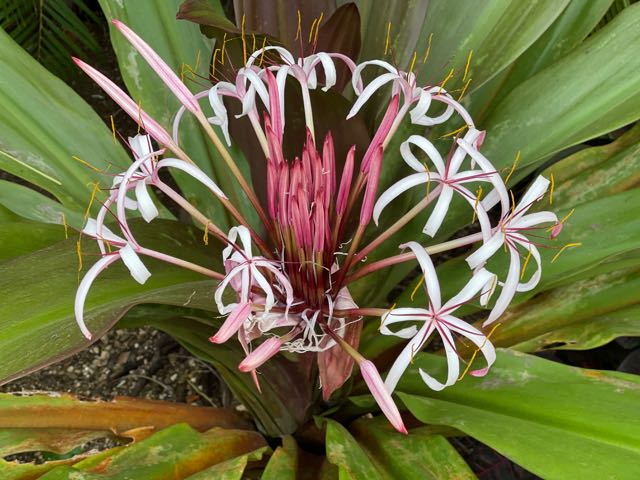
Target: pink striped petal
[(127, 104), (166, 74)]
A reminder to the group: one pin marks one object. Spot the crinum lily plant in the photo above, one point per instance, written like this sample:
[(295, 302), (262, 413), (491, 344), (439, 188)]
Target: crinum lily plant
[(284, 285)]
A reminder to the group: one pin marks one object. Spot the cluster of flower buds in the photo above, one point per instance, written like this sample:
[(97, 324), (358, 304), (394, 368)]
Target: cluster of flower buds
[(289, 286)]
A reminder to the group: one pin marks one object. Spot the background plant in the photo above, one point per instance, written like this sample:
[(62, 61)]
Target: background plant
[(543, 84)]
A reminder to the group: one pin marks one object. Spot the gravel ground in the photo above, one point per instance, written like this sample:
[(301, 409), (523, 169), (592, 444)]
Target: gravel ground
[(141, 363)]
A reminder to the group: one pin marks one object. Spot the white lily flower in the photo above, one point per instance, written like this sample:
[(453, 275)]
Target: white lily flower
[(447, 175), (126, 252), (436, 317), (509, 233), (245, 273)]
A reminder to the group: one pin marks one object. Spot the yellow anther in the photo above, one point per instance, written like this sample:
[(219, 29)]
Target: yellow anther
[(244, 41), (205, 236), (444, 82), (568, 245), (113, 129), (475, 353), (524, 266), (513, 167), (455, 132), (464, 89), (413, 63), (426, 167), (224, 44), (475, 206), (182, 72), (299, 30), (264, 43), (79, 252), (96, 187), (386, 42), (513, 205), (213, 62), (566, 217), (312, 29), (315, 40), (66, 227), (466, 68), (415, 290), (426, 55), (553, 184), (87, 164)]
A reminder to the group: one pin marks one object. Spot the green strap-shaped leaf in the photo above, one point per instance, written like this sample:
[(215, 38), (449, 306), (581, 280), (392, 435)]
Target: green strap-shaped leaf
[(527, 407), (283, 464), (37, 322), (186, 50), (45, 124), (572, 100), (418, 455), (497, 31), (19, 238), (350, 458)]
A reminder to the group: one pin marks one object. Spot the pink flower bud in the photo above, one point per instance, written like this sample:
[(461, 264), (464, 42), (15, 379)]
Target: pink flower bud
[(369, 199), (232, 324), (345, 181), (382, 397), (260, 355)]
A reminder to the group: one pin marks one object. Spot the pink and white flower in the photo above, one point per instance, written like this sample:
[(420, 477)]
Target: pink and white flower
[(288, 289)]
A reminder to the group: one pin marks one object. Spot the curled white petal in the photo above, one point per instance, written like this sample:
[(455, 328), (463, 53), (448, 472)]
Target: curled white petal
[(406, 356), (132, 261), (192, 170), (145, 204), (429, 272), (453, 363), (83, 290)]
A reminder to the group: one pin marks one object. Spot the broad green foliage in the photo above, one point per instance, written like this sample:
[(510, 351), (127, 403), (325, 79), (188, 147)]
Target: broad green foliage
[(529, 407), (37, 327), (543, 82)]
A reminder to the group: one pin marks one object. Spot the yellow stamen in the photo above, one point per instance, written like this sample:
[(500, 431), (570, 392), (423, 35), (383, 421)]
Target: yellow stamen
[(475, 207), (444, 82), (315, 40), (299, 30), (464, 89), (513, 204), (426, 55), (568, 245), (87, 164), (413, 63), (79, 252), (96, 187), (244, 41), (466, 68), (513, 167), (205, 237), (182, 72), (426, 167), (386, 43), (224, 43), (553, 184), (455, 132), (264, 42), (475, 353), (66, 227), (415, 290), (390, 310), (312, 29), (253, 45), (213, 62), (113, 129), (526, 262)]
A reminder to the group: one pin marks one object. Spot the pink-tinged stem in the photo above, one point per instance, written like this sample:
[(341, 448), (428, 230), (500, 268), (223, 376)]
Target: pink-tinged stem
[(180, 263), (405, 257), (360, 312), (200, 217), (401, 222), (224, 153)]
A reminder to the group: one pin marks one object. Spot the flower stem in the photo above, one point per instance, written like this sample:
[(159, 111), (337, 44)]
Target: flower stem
[(180, 263)]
